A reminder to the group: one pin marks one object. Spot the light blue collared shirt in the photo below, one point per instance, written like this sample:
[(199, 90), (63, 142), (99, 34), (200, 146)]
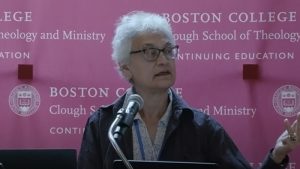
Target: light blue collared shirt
[(143, 147)]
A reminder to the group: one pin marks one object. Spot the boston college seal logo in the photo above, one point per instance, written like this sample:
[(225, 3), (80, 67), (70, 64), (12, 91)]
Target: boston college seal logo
[(286, 100), (24, 100)]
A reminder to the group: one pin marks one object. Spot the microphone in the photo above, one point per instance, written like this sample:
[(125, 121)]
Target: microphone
[(134, 104)]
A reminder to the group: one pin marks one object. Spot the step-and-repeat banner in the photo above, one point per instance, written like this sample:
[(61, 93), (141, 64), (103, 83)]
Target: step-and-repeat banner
[(238, 62)]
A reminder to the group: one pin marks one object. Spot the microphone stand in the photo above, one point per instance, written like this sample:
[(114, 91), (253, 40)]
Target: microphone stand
[(1, 166), (113, 141)]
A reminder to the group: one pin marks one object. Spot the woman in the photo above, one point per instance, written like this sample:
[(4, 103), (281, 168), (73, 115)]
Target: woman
[(166, 128)]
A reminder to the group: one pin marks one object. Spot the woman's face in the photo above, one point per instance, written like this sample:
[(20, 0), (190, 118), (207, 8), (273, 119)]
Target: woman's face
[(159, 74)]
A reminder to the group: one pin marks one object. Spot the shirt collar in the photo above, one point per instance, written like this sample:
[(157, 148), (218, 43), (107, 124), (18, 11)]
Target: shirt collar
[(165, 118)]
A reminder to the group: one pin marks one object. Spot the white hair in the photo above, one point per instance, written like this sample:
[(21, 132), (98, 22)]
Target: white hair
[(133, 24)]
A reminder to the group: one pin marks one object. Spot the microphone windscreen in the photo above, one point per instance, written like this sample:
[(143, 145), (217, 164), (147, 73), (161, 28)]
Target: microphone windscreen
[(136, 98)]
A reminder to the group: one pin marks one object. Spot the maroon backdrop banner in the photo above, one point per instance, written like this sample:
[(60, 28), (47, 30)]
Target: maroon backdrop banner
[(238, 63)]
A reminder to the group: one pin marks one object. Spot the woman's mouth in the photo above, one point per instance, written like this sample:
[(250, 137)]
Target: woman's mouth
[(164, 73)]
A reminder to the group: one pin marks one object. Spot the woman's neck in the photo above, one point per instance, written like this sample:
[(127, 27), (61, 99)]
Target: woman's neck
[(155, 104)]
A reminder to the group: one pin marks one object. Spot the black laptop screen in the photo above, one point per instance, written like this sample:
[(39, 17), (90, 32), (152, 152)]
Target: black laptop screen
[(38, 159)]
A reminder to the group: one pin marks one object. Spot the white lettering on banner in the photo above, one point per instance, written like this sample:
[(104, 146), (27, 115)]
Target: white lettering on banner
[(74, 35), (78, 92), (228, 111), (14, 55), (234, 35), (93, 109), (187, 37), (19, 35), (262, 17), (193, 17), (203, 56), (69, 111), (120, 92), (66, 130), (232, 17), (234, 111), (291, 166), (50, 35), (265, 56), (282, 35), (16, 16), (215, 35), (236, 56)]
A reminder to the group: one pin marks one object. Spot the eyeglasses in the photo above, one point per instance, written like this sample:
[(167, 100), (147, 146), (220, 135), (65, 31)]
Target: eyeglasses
[(151, 53)]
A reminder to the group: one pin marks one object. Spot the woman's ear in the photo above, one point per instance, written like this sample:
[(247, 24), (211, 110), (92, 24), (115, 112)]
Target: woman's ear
[(125, 71)]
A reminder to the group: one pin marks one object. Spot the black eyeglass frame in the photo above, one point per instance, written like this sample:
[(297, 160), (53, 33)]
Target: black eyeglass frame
[(159, 51)]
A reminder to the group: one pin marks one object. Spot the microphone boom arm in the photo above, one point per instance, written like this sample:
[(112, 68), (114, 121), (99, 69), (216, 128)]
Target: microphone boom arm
[(113, 141)]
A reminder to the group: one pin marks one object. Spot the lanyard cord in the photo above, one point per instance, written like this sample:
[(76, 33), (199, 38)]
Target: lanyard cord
[(138, 134)]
